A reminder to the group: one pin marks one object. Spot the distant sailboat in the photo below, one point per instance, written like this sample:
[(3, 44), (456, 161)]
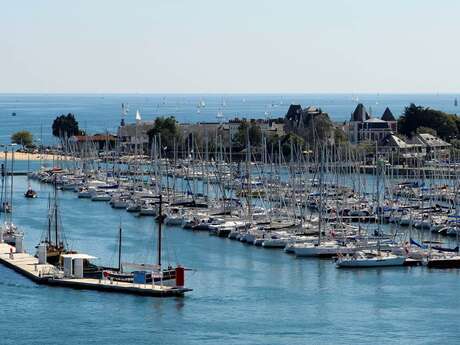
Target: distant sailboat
[(124, 109), (456, 102)]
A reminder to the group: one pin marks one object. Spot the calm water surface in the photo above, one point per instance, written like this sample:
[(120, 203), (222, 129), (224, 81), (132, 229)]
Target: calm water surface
[(99, 113), (242, 294)]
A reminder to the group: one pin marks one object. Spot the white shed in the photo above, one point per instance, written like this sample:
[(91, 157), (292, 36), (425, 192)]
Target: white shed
[(73, 264)]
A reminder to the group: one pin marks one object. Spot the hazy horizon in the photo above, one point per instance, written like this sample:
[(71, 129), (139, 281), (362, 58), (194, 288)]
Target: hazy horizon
[(230, 47), (57, 93)]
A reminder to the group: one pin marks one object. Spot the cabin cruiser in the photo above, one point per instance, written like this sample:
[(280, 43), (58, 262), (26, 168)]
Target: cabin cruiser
[(100, 196)]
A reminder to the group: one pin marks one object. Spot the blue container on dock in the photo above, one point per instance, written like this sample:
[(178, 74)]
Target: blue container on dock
[(139, 277)]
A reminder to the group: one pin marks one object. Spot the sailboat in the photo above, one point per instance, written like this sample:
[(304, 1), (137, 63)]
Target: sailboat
[(54, 239), (220, 115), (455, 102), (321, 249), (128, 272), (447, 257), (9, 232), (364, 258), (372, 258), (4, 205), (55, 246)]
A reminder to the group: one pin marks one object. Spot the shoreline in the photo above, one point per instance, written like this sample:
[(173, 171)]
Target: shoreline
[(23, 156)]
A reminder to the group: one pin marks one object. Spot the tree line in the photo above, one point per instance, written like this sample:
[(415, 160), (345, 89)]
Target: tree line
[(417, 119)]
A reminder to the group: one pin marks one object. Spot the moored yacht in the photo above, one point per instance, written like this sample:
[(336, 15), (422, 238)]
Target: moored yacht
[(369, 259)]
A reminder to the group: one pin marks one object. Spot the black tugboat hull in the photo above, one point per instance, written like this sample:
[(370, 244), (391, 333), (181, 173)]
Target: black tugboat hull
[(444, 263)]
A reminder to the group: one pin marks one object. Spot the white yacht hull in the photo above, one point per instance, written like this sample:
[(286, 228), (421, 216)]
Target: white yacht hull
[(312, 251), (371, 262)]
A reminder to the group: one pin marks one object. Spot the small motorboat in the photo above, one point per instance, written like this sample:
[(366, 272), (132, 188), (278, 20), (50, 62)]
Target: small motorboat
[(30, 193)]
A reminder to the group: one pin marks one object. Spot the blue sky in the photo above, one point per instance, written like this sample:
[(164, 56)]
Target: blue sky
[(173, 46)]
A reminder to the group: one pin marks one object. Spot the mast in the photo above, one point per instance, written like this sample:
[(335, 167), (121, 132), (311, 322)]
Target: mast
[(12, 179), (248, 172), (49, 218), (379, 172), (320, 218), (160, 222), (119, 249), (55, 212), (3, 196)]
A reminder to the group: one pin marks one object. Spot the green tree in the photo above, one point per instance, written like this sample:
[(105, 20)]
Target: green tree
[(65, 126), (340, 137), (455, 143), (291, 144), (167, 129), (250, 128), (446, 125), (23, 138)]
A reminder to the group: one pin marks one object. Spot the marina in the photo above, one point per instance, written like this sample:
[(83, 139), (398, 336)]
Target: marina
[(47, 274), (293, 232), (232, 172), (242, 278), (310, 215), (223, 266)]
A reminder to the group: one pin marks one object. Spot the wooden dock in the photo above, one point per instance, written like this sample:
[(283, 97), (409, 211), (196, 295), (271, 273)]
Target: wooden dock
[(46, 274)]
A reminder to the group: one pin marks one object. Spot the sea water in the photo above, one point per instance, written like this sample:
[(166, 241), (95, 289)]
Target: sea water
[(241, 294), (102, 113)]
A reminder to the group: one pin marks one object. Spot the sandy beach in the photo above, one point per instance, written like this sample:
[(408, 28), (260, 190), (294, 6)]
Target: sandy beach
[(23, 156)]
